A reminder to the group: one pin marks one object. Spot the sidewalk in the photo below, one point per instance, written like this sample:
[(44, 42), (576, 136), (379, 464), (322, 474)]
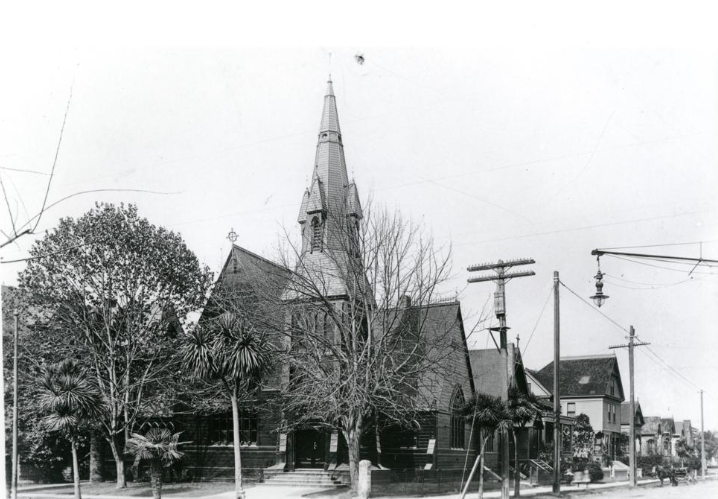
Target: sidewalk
[(274, 492)]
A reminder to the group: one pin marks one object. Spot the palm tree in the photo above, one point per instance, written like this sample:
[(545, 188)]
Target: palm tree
[(70, 401), (159, 447), (229, 351), (489, 414), (522, 408)]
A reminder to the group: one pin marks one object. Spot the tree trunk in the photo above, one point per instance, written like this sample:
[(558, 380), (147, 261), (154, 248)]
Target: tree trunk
[(156, 478), (95, 460), (119, 462), (353, 437), (75, 470), (238, 490), (517, 474)]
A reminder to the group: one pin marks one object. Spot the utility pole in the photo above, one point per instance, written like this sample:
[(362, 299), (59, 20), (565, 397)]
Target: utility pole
[(632, 432), (13, 485), (556, 395), (501, 278), (703, 443)]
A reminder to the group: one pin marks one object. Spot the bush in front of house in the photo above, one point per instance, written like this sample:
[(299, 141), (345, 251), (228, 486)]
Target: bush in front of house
[(595, 473)]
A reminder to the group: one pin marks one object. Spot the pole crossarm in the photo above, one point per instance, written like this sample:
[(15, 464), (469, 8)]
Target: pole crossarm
[(636, 344), (501, 264), (600, 252), (500, 278), (506, 275)]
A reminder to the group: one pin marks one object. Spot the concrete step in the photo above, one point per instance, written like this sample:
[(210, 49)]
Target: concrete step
[(306, 478)]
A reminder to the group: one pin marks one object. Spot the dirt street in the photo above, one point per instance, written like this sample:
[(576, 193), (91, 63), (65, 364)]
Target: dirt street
[(703, 490)]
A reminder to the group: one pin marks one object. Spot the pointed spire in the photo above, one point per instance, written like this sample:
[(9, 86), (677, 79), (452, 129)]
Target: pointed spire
[(330, 117)]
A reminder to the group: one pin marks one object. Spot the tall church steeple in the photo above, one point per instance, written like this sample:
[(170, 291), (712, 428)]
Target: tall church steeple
[(330, 207)]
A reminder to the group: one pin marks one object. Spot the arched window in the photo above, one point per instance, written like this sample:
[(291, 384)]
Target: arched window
[(316, 235), (458, 422)]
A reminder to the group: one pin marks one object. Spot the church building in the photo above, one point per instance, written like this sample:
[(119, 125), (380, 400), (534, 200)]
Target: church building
[(328, 271)]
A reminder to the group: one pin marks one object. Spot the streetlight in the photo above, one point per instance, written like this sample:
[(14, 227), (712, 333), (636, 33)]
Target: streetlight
[(599, 298)]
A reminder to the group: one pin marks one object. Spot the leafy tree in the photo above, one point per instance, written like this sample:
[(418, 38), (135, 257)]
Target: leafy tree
[(583, 437), (45, 451), (489, 414), (70, 401), (690, 455), (158, 446), (227, 351), (123, 288), (364, 352), (711, 444), (522, 408)]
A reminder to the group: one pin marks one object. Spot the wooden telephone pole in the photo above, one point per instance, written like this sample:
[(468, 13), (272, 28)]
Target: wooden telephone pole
[(632, 433), (501, 277)]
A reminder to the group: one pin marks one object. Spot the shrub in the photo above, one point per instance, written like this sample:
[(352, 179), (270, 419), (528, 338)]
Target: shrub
[(595, 473)]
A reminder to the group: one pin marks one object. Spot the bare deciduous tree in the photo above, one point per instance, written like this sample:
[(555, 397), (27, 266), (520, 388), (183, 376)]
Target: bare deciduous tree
[(368, 348)]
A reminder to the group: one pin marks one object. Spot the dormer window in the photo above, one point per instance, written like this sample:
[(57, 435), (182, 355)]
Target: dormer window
[(316, 243)]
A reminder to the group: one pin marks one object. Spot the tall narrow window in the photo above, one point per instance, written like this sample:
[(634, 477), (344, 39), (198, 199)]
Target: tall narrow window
[(316, 235), (458, 425), (328, 330)]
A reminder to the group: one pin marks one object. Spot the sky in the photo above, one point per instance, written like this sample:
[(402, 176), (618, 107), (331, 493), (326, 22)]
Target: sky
[(501, 150)]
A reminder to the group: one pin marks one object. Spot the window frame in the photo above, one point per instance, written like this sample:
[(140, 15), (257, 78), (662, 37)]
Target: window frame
[(457, 427)]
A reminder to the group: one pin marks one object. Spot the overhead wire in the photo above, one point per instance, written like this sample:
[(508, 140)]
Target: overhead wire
[(656, 266), (672, 371), (528, 342), (661, 245)]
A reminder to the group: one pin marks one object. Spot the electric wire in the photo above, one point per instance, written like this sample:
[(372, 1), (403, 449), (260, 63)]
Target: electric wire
[(656, 266), (673, 371), (594, 308), (538, 320), (661, 245)]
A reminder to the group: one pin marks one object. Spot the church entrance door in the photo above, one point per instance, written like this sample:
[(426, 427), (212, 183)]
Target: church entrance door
[(309, 448)]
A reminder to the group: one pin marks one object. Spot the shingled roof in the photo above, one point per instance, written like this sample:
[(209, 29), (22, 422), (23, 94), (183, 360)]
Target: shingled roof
[(626, 411), (441, 326), (652, 425), (582, 376)]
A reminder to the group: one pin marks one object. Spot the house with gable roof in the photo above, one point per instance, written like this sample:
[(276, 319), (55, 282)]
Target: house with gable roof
[(490, 373), (590, 385), (626, 423)]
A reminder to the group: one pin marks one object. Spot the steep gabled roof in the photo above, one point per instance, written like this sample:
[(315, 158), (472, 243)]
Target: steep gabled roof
[(442, 330), (626, 411), (652, 425), (248, 276), (668, 425), (583, 376)]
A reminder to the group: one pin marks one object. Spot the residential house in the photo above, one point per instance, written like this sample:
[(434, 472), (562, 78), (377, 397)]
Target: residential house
[(626, 423), (590, 385), (491, 372)]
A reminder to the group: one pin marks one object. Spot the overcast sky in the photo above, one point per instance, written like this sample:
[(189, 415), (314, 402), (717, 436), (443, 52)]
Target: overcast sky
[(502, 153)]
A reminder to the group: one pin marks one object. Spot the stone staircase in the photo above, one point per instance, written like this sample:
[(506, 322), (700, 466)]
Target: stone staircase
[(306, 478)]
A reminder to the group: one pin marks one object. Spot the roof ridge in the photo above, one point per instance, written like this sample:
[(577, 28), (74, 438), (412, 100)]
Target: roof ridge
[(251, 253), (595, 356)]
